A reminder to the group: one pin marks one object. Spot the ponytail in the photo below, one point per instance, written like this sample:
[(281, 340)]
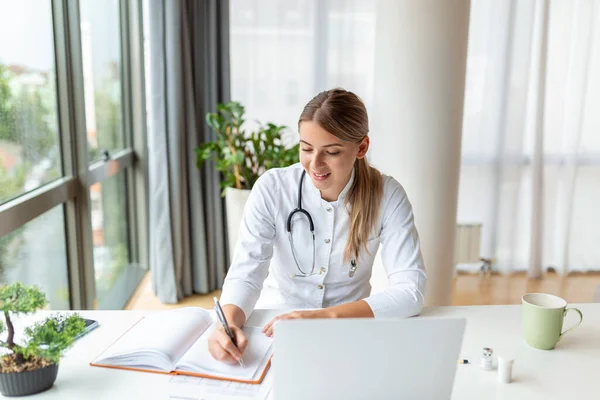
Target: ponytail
[(363, 201)]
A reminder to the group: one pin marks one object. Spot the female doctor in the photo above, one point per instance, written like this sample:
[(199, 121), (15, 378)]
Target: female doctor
[(310, 232)]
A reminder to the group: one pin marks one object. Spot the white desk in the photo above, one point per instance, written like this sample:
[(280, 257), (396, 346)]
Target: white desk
[(572, 370)]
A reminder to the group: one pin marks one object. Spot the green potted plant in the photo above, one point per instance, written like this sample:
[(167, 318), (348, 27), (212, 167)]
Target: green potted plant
[(241, 156), (31, 365)]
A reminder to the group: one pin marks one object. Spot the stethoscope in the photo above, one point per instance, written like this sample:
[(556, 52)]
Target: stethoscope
[(311, 225)]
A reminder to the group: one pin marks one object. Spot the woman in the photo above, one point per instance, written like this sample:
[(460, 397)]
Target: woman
[(353, 208)]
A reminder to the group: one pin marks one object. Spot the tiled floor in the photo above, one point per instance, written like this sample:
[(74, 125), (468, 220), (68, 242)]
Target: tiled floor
[(469, 289)]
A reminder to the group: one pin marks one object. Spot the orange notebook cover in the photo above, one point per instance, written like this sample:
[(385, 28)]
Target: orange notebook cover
[(260, 356)]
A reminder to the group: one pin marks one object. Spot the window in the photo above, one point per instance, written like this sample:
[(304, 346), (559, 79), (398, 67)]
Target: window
[(35, 254), (71, 208), (107, 130), (110, 236), (101, 51), (29, 137)]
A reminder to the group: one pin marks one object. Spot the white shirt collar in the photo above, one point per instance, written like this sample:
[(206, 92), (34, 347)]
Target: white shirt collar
[(342, 194)]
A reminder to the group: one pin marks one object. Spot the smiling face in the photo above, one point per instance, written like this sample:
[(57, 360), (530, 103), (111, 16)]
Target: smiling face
[(327, 159)]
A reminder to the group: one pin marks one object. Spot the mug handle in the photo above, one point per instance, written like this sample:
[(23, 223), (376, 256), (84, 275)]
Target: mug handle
[(574, 326)]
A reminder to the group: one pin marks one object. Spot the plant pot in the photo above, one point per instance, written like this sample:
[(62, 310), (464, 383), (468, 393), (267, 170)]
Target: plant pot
[(28, 382), (235, 201)]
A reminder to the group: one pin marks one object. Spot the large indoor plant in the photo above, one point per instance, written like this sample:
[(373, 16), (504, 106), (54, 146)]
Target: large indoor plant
[(31, 365), (242, 155)]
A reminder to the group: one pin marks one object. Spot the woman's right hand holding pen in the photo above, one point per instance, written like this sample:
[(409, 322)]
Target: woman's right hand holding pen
[(223, 349), (220, 345)]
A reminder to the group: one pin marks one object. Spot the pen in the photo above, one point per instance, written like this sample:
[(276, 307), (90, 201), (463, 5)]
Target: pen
[(223, 321)]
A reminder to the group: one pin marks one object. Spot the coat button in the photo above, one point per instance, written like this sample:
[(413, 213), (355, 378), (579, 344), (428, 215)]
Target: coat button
[(327, 240), (320, 287), (329, 209)]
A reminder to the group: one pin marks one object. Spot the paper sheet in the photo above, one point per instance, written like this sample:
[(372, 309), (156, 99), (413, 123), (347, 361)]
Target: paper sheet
[(198, 359), (156, 331), (183, 387)]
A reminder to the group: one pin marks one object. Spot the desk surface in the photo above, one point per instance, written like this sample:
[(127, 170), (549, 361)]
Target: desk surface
[(569, 371)]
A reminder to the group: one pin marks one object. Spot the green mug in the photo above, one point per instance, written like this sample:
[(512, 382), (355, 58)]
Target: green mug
[(543, 316)]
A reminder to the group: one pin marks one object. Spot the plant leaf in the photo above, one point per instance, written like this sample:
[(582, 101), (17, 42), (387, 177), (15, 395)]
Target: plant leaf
[(251, 153)]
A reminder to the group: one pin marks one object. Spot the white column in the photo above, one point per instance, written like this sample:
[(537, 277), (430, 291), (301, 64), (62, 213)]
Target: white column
[(416, 120)]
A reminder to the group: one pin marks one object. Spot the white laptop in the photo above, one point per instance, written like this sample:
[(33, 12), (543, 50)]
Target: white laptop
[(413, 358)]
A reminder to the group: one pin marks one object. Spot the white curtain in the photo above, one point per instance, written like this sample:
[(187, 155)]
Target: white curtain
[(531, 139), (284, 52), (531, 134)]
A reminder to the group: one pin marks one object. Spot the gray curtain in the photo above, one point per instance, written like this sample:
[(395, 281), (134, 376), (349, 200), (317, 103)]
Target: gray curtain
[(188, 75)]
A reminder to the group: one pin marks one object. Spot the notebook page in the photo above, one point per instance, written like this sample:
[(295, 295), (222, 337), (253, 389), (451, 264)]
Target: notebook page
[(169, 332), (256, 356)]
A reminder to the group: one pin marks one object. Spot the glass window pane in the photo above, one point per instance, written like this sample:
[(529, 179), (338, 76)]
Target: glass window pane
[(29, 141), (101, 52), (116, 277), (36, 254)]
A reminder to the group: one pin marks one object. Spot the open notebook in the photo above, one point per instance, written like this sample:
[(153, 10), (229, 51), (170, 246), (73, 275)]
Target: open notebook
[(176, 342)]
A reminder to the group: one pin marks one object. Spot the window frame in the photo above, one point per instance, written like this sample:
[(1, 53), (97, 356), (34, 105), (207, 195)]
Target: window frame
[(72, 189)]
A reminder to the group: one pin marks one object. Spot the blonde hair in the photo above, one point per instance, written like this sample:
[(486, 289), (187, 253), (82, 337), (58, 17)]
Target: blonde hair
[(344, 115)]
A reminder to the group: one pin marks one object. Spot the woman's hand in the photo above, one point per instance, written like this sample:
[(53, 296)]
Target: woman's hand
[(325, 313), (222, 348)]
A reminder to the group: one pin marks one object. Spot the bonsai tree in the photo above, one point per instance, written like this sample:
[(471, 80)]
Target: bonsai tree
[(45, 341), (243, 156)]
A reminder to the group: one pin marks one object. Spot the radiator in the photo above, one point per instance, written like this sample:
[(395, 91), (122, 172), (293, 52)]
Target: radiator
[(466, 244)]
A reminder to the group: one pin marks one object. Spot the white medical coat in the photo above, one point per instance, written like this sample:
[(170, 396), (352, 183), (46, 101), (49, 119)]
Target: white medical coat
[(262, 270)]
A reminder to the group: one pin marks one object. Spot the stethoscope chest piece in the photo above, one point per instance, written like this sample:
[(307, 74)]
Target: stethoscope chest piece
[(352, 268)]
